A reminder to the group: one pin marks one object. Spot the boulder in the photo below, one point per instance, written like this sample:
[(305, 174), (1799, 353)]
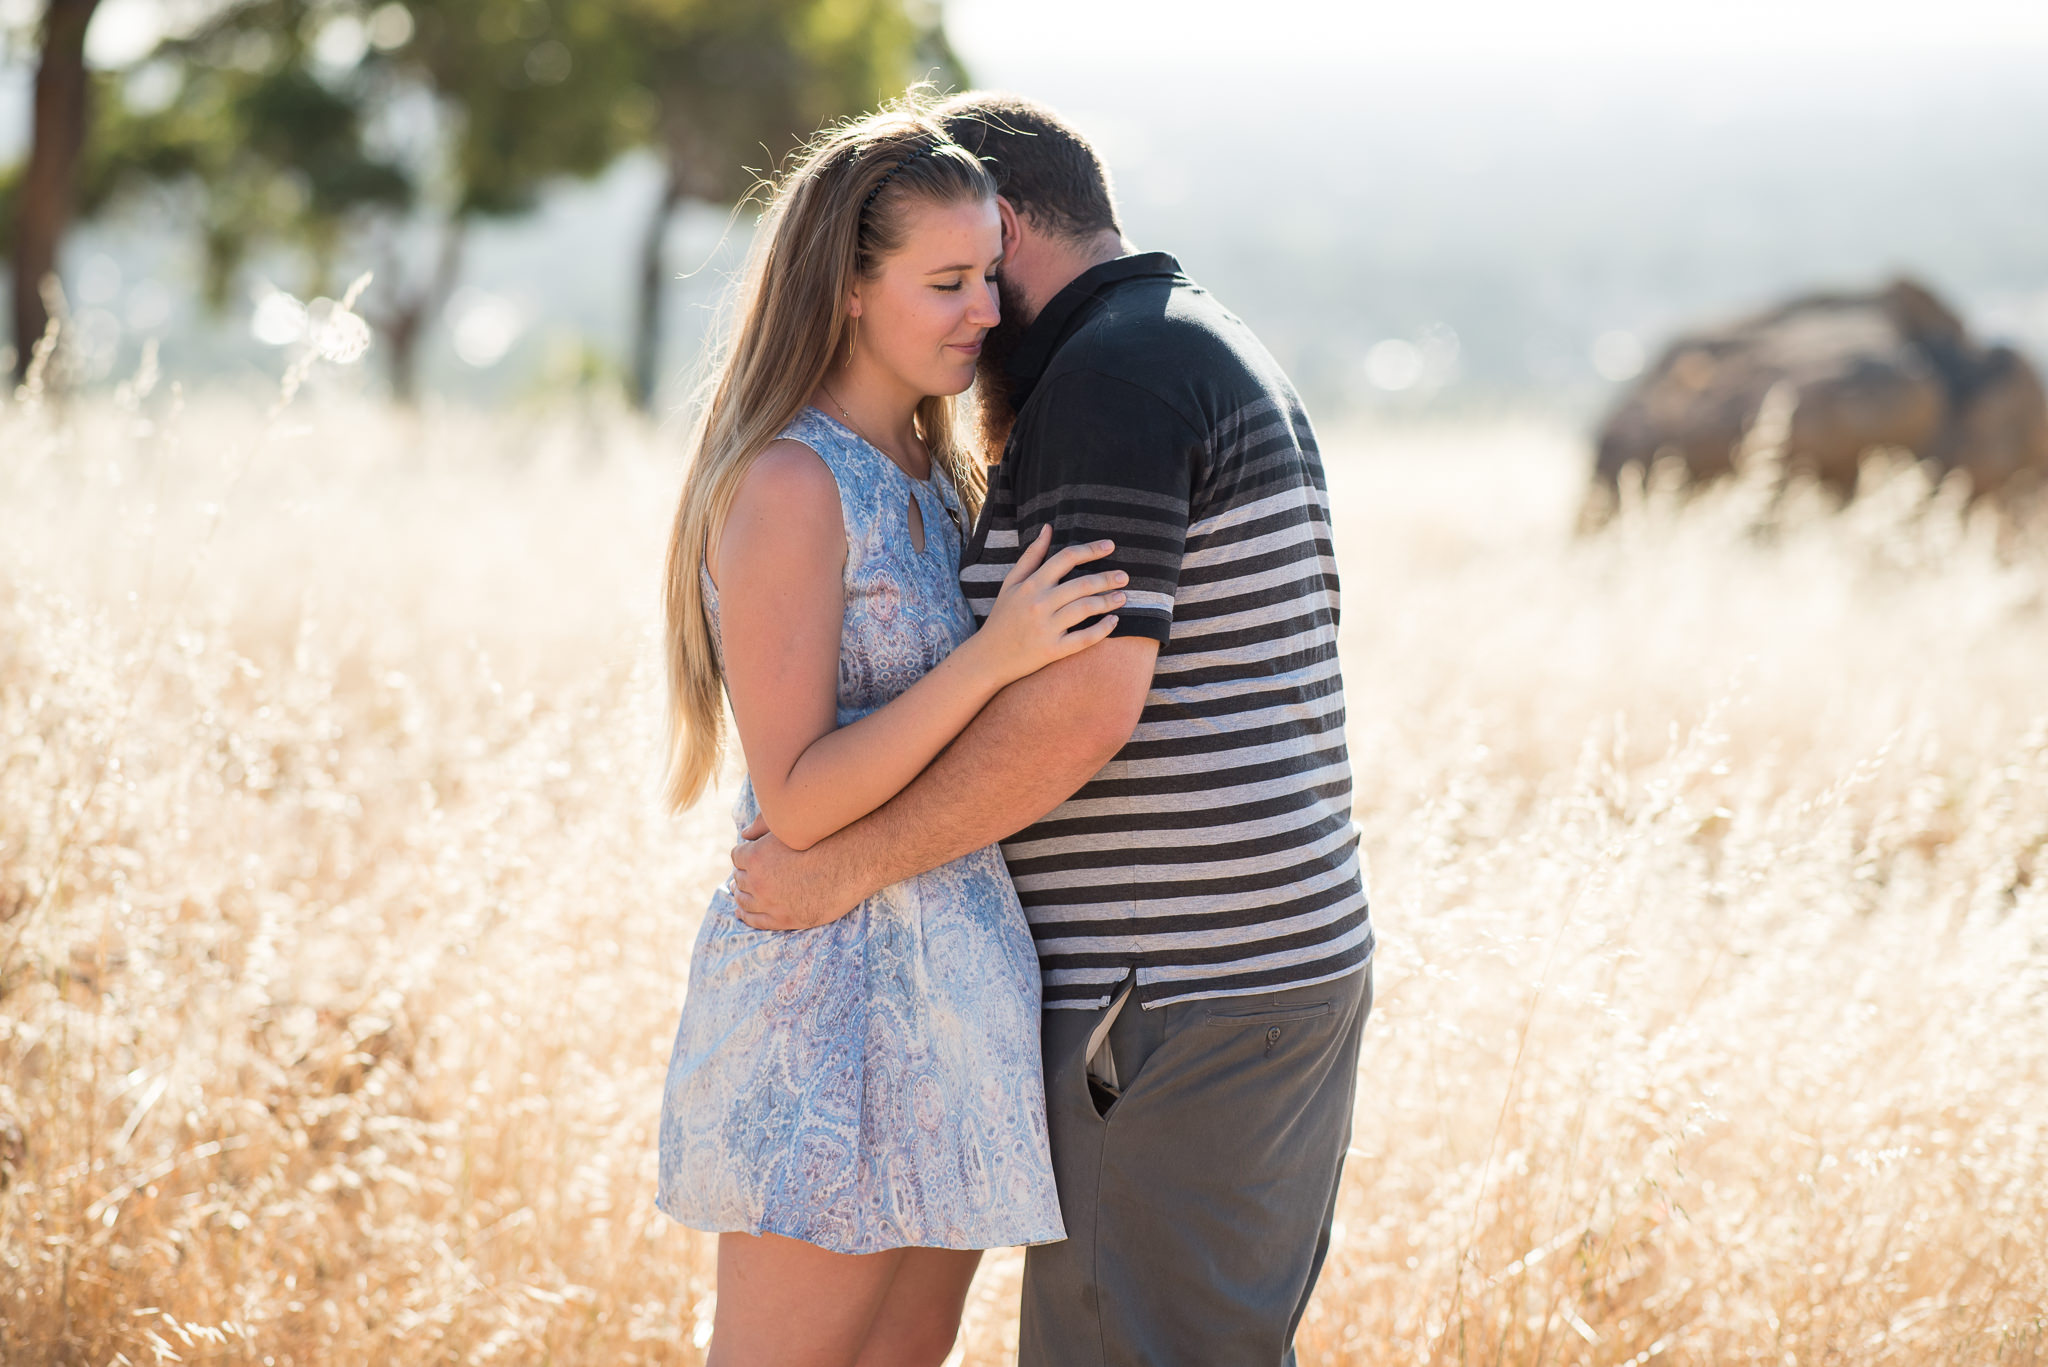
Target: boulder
[(1894, 368)]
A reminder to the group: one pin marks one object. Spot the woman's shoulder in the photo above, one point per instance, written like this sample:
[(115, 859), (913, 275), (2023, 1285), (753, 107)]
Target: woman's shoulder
[(790, 474), (813, 429), (787, 501)]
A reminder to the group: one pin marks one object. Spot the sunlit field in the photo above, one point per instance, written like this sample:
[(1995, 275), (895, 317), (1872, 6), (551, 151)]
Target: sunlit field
[(342, 941)]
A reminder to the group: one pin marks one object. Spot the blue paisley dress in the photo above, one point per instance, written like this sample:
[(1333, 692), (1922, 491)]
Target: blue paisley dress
[(875, 1082)]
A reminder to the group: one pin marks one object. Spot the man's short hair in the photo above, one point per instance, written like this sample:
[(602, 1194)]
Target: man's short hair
[(1046, 169)]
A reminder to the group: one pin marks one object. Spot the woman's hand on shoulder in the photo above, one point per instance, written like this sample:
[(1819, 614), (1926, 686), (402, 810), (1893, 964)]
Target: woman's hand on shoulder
[(1036, 615)]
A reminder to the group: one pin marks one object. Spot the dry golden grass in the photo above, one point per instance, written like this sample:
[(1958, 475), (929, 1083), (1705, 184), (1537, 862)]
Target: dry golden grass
[(341, 945)]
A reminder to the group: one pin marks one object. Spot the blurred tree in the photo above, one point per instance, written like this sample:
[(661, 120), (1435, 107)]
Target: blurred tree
[(736, 84), (333, 127), (530, 92), (265, 149), (37, 205), (336, 126)]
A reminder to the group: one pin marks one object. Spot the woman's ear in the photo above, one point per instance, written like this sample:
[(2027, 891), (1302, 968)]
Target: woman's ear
[(853, 302)]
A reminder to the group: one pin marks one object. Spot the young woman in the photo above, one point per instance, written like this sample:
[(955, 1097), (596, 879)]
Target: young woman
[(857, 1108)]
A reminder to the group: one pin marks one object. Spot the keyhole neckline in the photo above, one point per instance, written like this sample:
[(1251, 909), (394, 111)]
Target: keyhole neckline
[(930, 481), (930, 484)]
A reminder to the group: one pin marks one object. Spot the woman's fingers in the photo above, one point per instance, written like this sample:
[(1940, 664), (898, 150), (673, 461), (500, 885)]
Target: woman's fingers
[(1085, 585), (1076, 641), (1040, 592), (1062, 561), (1029, 560), (1081, 609)]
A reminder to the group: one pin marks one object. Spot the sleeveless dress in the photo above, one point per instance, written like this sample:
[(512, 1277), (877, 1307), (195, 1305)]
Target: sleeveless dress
[(875, 1082)]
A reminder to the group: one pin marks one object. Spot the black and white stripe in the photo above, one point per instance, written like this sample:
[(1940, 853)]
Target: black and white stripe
[(1216, 854)]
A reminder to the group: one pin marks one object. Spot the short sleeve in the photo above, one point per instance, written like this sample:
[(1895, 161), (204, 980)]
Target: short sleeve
[(1101, 457)]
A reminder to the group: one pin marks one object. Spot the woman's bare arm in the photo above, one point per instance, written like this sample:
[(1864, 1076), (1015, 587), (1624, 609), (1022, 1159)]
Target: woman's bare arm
[(1027, 752), (779, 564)]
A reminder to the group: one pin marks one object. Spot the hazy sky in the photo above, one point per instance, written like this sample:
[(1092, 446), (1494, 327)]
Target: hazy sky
[(1530, 176), (1000, 34), (1520, 42), (1495, 188)]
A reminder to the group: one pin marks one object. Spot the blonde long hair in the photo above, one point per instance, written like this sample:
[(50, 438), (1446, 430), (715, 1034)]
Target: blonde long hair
[(834, 219)]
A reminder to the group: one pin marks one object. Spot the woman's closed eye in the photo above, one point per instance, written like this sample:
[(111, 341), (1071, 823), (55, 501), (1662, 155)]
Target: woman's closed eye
[(954, 288)]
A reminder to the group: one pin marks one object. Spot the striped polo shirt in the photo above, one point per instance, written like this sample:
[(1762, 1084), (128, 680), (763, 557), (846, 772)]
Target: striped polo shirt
[(1215, 855)]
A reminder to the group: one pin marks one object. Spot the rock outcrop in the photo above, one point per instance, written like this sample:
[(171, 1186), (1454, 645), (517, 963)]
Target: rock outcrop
[(1891, 369)]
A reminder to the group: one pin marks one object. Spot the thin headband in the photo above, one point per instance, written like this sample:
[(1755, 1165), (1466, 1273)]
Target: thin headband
[(890, 174)]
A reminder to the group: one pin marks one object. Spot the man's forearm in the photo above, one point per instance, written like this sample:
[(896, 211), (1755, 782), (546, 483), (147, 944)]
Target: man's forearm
[(1028, 751)]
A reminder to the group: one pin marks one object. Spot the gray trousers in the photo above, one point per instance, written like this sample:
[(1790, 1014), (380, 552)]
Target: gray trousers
[(1198, 1200)]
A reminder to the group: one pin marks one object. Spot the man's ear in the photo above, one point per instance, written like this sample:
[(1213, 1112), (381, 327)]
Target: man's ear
[(1013, 230)]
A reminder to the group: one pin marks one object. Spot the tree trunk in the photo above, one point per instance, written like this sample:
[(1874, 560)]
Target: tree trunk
[(653, 293), (401, 353), (48, 183), (405, 325)]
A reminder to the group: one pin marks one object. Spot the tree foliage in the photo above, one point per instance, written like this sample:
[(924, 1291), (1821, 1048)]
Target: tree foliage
[(336, 128), (270, 152), (470, 105), (736, 84)]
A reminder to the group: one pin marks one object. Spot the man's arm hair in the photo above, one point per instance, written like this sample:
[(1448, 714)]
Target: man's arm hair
[(1029, 750)]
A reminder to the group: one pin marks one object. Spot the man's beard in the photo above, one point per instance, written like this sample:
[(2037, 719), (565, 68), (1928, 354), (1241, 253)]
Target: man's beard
[(994, 413)]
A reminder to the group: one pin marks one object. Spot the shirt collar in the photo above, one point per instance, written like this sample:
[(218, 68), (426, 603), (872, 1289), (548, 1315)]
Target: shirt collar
[(1043, 337)]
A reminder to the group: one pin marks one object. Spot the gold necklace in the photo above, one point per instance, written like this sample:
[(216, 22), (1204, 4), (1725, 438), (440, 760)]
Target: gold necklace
[(951, 512)]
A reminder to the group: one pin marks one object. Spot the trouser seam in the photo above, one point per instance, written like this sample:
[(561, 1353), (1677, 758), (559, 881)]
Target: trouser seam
[(1101, 1162)]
